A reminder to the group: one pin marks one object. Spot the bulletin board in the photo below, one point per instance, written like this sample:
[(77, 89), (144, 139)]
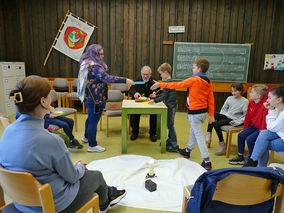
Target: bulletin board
[(274, 62)]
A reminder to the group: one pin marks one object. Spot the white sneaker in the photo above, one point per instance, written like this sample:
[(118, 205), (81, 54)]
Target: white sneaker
[(84, 140), (96, 148)]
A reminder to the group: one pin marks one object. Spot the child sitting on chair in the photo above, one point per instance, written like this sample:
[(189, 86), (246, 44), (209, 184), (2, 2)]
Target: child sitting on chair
[(169, 98), (232, 113), (254, 122), (273, 137)]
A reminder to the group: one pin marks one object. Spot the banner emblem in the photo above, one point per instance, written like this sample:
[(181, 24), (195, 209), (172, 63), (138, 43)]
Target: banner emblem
[(74, 37)]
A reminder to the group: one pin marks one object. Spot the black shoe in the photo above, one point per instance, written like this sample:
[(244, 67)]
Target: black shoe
[(153, 138), (250, 163), (206, 165), (114, 196), (184, 153), (75, 144), (171, 148), (133, 137), (237, 160)]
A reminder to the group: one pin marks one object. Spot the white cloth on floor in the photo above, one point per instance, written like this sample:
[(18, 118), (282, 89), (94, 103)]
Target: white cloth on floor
[(129, 172)]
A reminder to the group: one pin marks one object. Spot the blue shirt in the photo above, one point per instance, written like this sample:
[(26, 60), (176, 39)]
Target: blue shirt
[(27, 147)]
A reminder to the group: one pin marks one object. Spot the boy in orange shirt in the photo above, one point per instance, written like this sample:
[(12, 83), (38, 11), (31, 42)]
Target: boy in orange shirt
[(200, 101)]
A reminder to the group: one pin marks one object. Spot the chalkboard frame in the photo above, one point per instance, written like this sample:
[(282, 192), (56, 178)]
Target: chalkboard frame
[(234, 52)]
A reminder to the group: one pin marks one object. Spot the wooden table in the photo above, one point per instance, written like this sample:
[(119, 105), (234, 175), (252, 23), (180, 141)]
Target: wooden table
[(132, 107)]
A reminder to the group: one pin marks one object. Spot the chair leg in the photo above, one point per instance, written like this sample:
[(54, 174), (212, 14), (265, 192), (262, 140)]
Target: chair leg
[(229, 141), (84, 108), (271, 157), (107, 130), (75, 121)]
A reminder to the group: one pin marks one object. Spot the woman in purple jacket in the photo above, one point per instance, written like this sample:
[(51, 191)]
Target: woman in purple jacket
[(96, 91)]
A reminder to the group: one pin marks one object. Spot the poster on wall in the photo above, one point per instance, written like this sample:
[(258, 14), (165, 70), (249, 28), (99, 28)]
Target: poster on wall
[(274, 62), (74, 37)]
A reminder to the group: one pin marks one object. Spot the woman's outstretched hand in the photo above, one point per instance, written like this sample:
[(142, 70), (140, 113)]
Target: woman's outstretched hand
[(129, 81)]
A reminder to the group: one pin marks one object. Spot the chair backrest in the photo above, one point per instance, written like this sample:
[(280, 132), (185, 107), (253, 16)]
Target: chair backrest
[(114, 96), (253, 190), (119, 86), (24, 189), (54, 96), (61, 84), (74, 85)]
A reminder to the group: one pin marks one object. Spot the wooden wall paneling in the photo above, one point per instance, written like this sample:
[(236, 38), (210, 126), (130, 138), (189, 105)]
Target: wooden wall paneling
[(227, 20), (213, 19), (171, 37), (145, 34), (276, 26), (98, 16), (132, 47), (119, 38), (253, 38), (152, 30), (65, 61), (192, 22), (3, 54), (165, 25), (240, 22), (280, 46), (260, 41), (139, 31), (233, 22), (157, 29), (112, 34), (106, 30), (220, 21), (199, 22), (183, 17), (24, 46), (206, 21), (126, 40), (90, 14)]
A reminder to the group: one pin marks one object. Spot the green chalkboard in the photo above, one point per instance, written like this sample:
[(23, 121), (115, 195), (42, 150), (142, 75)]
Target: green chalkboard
[(228, 62)]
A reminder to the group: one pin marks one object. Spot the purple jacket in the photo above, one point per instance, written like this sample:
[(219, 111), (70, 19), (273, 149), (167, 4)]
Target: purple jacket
[(96, 89)]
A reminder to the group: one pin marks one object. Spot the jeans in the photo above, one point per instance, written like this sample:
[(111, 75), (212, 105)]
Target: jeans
[(249, 134), (197, 134), (266, 141), (220, 120), (172, 137), (91, 124), (63, 122)]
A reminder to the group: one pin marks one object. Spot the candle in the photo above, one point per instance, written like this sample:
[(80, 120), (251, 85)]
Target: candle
[(151, 167)]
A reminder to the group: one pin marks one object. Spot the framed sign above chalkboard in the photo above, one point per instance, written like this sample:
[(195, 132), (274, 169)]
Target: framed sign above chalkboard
[(228, 62)]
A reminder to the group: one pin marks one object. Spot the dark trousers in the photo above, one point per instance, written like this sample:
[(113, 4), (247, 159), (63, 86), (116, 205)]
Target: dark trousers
[(91, 125), (63, 122), (92, 182), (172, 137), (135, 120), (249, 134), (220, 120)]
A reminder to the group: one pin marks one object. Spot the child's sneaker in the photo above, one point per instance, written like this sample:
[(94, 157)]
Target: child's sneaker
[(184, 153), (75, 144), (114, 196), (250, 163), (171, 148), (84, 140), (237, 160), (206, 165), (96, 148)]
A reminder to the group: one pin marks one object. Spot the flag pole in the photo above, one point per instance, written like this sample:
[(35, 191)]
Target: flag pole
[(68, 11)]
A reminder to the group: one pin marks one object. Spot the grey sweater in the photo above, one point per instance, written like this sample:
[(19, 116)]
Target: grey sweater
[(235, 109), (27, 146), (168, 96)]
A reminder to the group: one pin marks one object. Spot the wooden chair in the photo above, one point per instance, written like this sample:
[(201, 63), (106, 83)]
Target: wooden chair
[(24, 189), (240, 189), (5, 120), (73, 96), (62, 87)]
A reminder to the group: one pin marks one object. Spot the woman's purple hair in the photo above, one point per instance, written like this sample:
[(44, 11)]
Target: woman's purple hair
[(92, 53)]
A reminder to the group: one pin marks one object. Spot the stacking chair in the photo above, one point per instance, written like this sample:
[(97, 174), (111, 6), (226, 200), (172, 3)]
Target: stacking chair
[(24, 189), (61, 85), (240, 189), (66, 111), (73, 96), (122, 87)]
